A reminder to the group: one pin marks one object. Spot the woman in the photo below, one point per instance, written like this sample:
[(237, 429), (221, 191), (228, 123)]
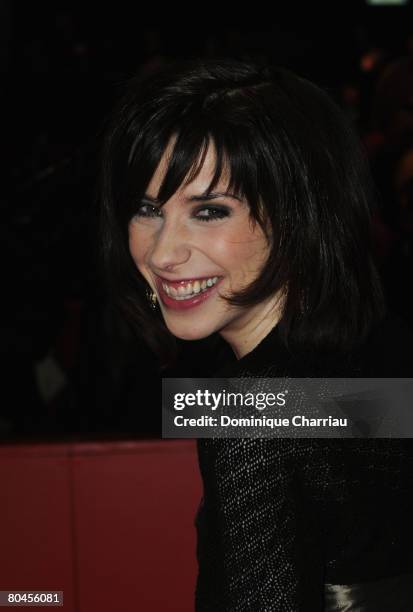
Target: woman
[(236, 197)]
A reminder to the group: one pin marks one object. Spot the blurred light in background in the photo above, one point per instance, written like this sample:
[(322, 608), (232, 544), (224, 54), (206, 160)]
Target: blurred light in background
[(388, 2)]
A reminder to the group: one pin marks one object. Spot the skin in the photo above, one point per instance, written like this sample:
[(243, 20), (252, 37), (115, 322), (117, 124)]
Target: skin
[(173, 242)]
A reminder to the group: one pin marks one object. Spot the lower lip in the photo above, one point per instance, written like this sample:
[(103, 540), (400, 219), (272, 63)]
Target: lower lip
[(197, 300)]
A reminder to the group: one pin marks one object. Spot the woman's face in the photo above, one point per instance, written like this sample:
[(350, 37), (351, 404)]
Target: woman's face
[(196, 248)]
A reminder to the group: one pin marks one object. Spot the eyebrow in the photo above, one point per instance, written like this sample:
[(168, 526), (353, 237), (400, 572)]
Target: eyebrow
[(213, 195), (203, 197)]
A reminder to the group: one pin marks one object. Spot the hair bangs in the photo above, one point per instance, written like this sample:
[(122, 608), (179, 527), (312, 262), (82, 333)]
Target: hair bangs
[(240, 162), (234, 164), (141, 156), (185, 161)]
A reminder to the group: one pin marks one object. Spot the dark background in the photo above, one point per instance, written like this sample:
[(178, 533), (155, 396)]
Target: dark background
[(71, 365)]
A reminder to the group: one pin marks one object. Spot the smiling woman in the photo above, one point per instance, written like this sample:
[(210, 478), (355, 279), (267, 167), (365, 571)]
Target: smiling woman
[(237, 196), (248, 174), (193, 254)]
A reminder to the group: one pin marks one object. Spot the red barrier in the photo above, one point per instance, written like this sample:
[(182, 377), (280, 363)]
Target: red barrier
[(109, 523)]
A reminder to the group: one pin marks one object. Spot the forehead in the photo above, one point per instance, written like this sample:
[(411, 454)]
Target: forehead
[(205, 170)]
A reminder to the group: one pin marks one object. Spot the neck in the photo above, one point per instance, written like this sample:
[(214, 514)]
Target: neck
[(246, 332)]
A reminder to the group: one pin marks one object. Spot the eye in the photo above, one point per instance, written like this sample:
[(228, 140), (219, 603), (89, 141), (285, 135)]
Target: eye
[(212, 213), (148, 211)]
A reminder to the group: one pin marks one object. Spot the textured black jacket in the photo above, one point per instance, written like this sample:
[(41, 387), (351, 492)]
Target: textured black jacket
[(280, 518)]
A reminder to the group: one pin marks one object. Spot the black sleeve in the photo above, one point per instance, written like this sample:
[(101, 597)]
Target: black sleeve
[(253, 552)]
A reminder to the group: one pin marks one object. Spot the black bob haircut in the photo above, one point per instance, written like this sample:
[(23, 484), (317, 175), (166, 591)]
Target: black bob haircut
[(290, 152)]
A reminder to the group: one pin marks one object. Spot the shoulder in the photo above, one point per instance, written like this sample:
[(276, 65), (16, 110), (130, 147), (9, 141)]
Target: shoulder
[(385, 353)]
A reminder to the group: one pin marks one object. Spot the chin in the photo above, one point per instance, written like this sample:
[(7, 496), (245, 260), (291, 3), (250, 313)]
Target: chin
[(188, 332)]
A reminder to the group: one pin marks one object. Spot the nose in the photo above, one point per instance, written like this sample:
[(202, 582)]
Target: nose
[(171, 247)]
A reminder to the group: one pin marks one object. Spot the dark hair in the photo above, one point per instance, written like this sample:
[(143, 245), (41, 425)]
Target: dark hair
[(295, 159)]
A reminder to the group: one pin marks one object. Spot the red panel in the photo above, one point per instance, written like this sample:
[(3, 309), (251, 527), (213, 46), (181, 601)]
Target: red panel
[(135, 509), (35, 519)]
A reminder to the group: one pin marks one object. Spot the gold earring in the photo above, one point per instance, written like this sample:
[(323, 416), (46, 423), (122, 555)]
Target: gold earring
[(151, 297)]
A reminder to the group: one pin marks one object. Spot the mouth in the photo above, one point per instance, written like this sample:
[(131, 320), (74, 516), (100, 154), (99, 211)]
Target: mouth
[(183, 294)]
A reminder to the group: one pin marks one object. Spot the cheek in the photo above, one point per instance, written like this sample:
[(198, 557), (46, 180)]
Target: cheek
[(242, 253)]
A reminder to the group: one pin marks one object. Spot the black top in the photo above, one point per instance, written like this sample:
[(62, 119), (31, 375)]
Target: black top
[(280, 518)]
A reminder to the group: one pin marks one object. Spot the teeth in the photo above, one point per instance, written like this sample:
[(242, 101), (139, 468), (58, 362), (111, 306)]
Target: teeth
[(184, 292)]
